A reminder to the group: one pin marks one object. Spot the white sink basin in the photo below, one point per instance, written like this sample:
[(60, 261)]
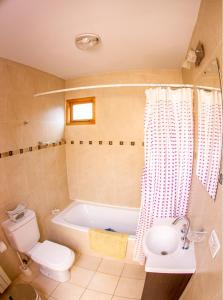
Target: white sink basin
[(162, 247), (161, 240)]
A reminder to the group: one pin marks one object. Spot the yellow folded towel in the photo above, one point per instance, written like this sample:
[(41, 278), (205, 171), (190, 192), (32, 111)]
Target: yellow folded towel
[(108, 243)]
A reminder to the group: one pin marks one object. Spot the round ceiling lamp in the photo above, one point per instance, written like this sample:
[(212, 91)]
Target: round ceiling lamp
[(87, 41)]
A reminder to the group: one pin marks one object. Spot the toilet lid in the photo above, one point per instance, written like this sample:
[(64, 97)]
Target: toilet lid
[(53, 256), (23, 292)]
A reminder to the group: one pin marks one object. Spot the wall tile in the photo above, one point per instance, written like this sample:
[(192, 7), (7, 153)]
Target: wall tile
[(36, 178), (204, 213), (111, 173)]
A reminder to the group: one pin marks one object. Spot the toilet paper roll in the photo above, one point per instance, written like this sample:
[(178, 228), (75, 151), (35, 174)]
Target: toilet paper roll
[(3, 247)]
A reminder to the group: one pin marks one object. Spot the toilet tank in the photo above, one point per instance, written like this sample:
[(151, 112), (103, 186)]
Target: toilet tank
[(23, 235)]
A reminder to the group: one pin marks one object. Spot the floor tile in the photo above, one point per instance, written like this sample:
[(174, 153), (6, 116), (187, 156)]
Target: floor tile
[(93, 295), (68, 291), (88, 262), (111, 267), (103, 283), (44, 284), (129, 288), (81, 276), (133, 271)]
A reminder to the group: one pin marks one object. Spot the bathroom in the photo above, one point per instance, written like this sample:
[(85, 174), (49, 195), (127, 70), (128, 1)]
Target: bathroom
[(47, 164)]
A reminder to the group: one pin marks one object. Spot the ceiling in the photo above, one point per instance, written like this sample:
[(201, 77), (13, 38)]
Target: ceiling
[(136, 34)]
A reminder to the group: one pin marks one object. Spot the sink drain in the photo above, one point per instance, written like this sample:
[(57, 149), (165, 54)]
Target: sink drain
[(164, 253)]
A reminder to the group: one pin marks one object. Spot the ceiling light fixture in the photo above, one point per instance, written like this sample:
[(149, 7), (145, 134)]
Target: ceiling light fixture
[(87, 41)]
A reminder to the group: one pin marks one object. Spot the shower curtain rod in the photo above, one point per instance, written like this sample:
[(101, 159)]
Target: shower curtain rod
[(118, 85), (207, 88)]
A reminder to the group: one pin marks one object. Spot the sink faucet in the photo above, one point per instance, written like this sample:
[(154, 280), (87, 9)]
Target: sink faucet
[(185, 230)]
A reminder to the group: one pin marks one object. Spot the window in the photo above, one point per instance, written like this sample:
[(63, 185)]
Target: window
[(80, 111)]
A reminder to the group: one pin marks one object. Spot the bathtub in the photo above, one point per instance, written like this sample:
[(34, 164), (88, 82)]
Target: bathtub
[(70, 226)]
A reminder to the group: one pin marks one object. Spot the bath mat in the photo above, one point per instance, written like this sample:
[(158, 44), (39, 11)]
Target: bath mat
[(108, 243)]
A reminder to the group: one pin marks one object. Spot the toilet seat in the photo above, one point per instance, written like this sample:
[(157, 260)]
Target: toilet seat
[(52, 255)]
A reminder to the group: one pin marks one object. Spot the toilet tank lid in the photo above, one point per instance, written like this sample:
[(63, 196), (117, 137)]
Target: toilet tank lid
[(12, 226)]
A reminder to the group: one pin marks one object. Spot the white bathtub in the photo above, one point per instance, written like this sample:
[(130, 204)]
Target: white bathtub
[(70, 226), (83, 215)]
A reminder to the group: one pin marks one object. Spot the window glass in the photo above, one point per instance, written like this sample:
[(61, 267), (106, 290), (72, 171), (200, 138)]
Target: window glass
[(82, 111)]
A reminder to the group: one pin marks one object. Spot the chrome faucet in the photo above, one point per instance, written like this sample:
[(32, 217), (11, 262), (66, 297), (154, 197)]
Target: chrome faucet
[(185, 230)]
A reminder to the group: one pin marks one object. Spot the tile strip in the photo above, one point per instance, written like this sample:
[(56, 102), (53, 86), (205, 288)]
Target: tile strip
[(32, 148), (41, 146), (106, 142)]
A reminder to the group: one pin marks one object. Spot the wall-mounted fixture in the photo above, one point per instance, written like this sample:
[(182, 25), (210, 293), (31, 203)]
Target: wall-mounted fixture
[(87, 41), (194, 57)]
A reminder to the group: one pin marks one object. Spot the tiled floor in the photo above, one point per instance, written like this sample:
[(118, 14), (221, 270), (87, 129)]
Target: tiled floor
[(92, 278)]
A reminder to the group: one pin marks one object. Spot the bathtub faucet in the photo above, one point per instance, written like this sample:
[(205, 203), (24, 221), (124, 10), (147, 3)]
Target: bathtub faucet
[(185, 230)]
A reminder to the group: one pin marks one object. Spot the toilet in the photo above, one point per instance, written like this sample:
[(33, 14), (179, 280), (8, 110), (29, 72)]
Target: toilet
[(54, 259)]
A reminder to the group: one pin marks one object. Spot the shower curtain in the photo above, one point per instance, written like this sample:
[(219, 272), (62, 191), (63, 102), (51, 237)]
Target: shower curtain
[(168, 142), (209, 139)]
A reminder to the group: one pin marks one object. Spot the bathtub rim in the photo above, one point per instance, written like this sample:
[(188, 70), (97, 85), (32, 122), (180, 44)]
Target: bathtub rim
[(57, 218), (103, 204)]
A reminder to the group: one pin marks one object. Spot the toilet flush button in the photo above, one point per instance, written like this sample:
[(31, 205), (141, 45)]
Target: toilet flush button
[(214, 244)]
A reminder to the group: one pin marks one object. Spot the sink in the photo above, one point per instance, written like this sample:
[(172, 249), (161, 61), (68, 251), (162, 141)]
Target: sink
[(161, 240), (163, 249)]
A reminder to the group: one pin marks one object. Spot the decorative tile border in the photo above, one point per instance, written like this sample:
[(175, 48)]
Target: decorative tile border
[(32, 148), (108, 142), (72, 142)]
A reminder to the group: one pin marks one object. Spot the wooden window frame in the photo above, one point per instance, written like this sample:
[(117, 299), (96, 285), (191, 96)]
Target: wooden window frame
[(69, 111)]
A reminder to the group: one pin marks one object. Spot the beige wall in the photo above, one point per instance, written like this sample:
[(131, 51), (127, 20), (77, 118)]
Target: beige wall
[(208, 30), (36, 178), (111, 173), (102, 173), (206, 284)]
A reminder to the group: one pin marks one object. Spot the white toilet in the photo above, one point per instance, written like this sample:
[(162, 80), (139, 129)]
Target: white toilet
[(54, 259)]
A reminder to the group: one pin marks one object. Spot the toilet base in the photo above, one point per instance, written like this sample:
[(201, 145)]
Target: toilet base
[(60, 276)]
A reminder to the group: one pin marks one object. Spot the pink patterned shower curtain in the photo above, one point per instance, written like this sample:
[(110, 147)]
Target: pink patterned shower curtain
[(209, 139), (168, 141)]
